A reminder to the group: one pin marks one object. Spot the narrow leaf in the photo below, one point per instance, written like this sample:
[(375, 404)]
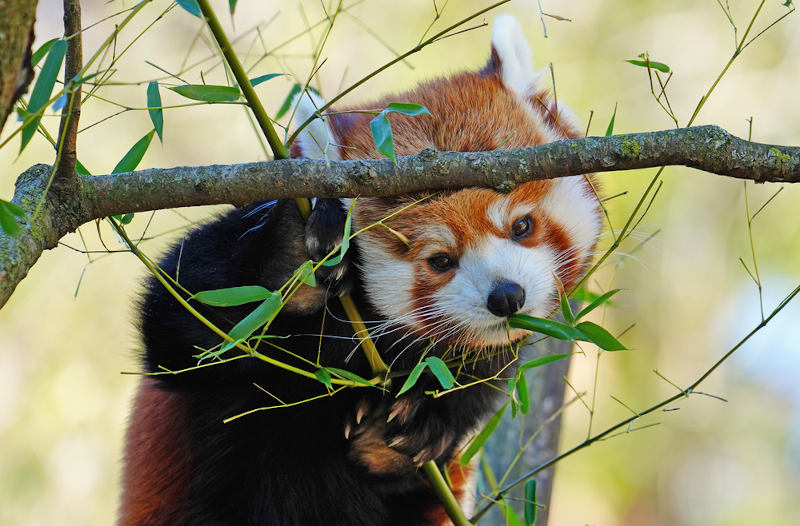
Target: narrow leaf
[(43, 88), (207, 92), (124, 219), (349, 376), (232, 5), (531, 509), (8, 224), (555, 329), (610, 129), (233, 296), (413, 377), (42, 51), (441, 372), (599, 336), (478, 442), (81, 169), (262, 315), (660, 66), (324, 376), (406, 108), (263, 78), (14, 209), (287, 102), (382, 135), (154, 109), (130, 161), (345, 240), (522, 394), (597, 302), (566, 311), (542, 360), (305, 273), (510, 516), (191, 7)]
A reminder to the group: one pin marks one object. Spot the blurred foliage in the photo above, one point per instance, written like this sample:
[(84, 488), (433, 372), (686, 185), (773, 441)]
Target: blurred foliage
[(63, 406)]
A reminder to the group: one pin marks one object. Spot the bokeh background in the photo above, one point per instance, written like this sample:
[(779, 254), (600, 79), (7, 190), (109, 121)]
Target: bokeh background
[(68, 331)]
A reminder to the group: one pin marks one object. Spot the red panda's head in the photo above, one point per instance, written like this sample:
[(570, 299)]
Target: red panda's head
[(456, 264)]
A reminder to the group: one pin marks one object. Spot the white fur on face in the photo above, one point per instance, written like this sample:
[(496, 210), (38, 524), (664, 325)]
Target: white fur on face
[(387, 280), (316, 140), (572, 204)]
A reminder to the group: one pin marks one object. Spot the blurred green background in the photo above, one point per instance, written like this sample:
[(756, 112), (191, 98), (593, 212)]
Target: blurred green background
[(69, 330)]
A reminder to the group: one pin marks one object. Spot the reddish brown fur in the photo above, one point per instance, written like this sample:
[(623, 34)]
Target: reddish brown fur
[(152, 481), (459, 478)]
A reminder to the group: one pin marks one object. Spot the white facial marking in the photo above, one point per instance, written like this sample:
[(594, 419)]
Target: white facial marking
[(387, 280), (572, 204), (497, 212)]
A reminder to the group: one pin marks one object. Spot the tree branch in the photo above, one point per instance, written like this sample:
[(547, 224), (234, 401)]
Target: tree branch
[(16, 37), (76, 200), (68, 129)]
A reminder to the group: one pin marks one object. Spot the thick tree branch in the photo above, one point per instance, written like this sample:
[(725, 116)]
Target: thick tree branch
[(16, 37), (79, 199)]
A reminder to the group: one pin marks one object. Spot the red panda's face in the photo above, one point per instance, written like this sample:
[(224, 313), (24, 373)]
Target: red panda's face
[(453, 267)]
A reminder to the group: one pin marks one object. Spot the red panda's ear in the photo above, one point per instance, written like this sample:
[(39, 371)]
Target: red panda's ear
[(316, 141), (511, 56)]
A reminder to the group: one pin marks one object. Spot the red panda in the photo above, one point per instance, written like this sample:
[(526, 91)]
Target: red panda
[(441, 280)]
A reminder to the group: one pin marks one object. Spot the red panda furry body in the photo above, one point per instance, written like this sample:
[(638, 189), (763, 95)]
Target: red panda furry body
[(467, 260)]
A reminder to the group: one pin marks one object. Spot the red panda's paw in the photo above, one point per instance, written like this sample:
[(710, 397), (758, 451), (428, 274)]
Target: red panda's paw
[(411, 429), (324, 231), (364, 431)]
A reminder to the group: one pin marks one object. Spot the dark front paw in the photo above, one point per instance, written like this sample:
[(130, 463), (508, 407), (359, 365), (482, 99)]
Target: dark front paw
[(324, 232), (415, 431)]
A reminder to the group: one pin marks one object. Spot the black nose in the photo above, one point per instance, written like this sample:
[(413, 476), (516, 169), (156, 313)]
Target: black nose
[(505, 299)]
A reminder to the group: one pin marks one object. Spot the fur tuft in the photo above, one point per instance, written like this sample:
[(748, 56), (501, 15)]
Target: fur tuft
[(316, 141), (513, 55)]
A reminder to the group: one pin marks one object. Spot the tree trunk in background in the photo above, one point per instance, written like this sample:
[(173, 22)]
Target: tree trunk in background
[(546, 392), (16, 38)]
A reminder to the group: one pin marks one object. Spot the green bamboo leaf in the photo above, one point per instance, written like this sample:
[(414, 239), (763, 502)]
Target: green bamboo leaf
[(305, 273), (531, 508), (232, 5), (324, 376), (124, 219), (130, 160), (555, 329), (510, 516), (81, 169), (8, 224), (349, 376), (287, 102), (522, 394), (39, 54), (478, 442), (566, 311), (441, 372), (542, 360), (154, 109), (413, 377), (610, 129), (599, 300), (229, 345), (263, 78), (660, 66), (382, 136), (191, 7), (262, 315), (40, 95), (233, 296), (208, 92), (599, 336), (406, 108)]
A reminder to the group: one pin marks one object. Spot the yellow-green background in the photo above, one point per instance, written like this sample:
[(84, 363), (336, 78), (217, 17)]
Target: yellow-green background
[(63, 403)]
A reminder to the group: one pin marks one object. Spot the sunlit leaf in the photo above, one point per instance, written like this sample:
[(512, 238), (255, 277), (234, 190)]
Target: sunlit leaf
[(263, 78), (660, 66), (531, 509), (478, 442), (208, 92), (382, 136), (191, 6), (406, 108), (566, 311), (413, 377), (287, 102), (130, 160), (555, 329), (40, 95), (542, 360), (349, 376), (522, 394), (610, 129), (262, 315), (81, 169), (599, 336), (324, 376), (124, 219), (154, 109), (599, 300), (8, 224), (233, 296), (232, 5), (42, 51), (441, 372)]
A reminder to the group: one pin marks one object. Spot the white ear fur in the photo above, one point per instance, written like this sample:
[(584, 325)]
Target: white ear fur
[(516, 65), (316, 140)]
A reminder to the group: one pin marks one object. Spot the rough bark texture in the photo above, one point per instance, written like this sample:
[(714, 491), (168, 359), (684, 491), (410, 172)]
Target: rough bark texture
[(16, 37), (73, 64), (75, 200)]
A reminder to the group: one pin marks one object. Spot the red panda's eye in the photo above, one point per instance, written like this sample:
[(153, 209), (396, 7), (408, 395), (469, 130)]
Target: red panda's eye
[(441, 262), (522, 227)]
